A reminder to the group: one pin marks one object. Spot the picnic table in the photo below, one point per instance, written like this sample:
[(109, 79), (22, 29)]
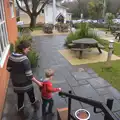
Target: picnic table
[(82, 44), (117, 35)]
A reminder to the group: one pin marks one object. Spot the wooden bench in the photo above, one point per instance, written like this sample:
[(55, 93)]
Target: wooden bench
[(62, 113), (101, 46), (70, 45)]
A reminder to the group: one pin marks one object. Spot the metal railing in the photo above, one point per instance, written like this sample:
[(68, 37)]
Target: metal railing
[(105, 108)]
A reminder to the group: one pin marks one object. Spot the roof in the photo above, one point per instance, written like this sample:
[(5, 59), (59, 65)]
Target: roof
[(59, 6)]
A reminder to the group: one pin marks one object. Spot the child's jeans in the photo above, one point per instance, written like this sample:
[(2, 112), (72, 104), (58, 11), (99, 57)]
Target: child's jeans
[(46, 102)]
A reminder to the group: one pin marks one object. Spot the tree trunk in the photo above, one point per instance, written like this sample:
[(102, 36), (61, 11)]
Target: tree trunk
[(33, 21)]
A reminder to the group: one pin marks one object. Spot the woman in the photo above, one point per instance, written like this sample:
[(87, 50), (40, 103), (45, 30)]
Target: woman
[(21, 75)]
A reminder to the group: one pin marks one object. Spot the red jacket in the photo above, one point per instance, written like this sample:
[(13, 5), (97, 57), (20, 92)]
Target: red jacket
[(47, 90)]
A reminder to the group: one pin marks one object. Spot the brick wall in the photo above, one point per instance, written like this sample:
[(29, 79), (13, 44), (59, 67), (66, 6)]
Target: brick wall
[(12, 36)]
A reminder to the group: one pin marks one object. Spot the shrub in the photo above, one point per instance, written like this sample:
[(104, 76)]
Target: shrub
[(109, 19), (48, 28), (76, 25), (12, 48), (23, 38), (71, 37), (62, 27), (80, 33), (32, 55), (84, 32), (84, 28)]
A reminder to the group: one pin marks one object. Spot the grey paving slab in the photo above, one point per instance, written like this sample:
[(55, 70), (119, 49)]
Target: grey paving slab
[(71, 80), (98, 82), (85, 91), (116, 104), (65, 87), (95, 116), (81, 75), (94, 75), (61, 104), (110, 89), (102, 91), (75, 105), (83, 82), (90, 71)]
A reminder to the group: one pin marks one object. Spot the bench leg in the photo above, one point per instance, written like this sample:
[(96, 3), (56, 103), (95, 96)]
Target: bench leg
[(119, 38), (116, 36), (80, 55), (99, 50)]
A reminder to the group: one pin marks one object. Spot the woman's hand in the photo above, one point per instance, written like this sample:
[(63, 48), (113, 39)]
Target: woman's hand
[(37, 82)]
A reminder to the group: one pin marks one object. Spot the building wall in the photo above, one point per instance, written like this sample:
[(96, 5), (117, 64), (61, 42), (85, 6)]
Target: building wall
[(49, 13), (11, 23), (12, 36), (69, 17), (26, 19), (63, 12)]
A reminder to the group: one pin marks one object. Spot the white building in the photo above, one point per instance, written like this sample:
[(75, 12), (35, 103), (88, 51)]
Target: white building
[(46, 16)]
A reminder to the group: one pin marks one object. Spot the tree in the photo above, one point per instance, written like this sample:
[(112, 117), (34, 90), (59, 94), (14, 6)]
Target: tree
[(109, 19), (95, 9), (32, 10)]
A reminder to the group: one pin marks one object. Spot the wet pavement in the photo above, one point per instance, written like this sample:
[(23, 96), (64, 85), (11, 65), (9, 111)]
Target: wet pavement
[(81, 80)]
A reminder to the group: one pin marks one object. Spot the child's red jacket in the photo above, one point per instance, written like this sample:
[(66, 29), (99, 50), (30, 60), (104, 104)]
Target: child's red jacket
[(47, 90)]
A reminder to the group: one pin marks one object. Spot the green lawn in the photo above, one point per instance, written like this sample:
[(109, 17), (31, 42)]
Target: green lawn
[(104, 29), (116, 46), (37, 28), (112, 75)]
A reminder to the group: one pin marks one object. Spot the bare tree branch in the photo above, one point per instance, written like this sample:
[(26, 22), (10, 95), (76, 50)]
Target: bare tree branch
[(42, 6), (27, 6), (20, 7), (38, 3)]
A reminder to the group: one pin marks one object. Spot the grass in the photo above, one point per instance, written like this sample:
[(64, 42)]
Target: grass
[(104, 29), (36, 28), (112, 75)]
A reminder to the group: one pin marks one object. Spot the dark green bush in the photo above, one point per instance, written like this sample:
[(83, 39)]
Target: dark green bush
[(48, 28), (80, 33)]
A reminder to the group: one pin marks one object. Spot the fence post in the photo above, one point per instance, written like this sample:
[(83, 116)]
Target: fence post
[(109, 105), (69, 106)]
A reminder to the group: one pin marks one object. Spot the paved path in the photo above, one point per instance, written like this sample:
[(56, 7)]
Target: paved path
[(81, 80)]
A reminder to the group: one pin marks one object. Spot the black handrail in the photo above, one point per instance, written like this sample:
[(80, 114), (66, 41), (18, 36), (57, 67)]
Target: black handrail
[(96, 104)]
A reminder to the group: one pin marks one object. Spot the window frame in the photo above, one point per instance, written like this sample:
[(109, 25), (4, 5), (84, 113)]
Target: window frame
[(3, 36), (12, 10)]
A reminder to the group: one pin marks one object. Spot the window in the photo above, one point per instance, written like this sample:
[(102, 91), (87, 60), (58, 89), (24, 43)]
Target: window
[(12, 9), (42, 10), (4, 44)]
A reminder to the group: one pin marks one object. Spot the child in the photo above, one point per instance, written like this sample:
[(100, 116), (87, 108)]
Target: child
[(46, 92)]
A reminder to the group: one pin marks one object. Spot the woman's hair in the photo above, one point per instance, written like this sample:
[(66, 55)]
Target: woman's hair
[(49, 73), (22, 45)]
